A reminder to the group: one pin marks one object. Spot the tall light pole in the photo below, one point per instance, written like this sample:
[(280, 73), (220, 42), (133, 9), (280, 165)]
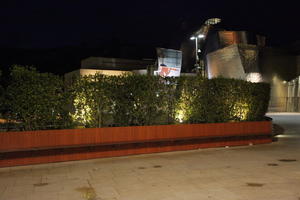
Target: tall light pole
[(197, 50), (201, 34)]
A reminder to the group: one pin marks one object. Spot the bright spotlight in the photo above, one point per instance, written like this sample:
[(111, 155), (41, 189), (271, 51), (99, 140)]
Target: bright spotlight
[(192, 38), (201, 36), (254, 77)]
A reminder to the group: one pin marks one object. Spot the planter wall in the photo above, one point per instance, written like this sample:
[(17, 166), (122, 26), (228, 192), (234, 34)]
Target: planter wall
[(33, 147)]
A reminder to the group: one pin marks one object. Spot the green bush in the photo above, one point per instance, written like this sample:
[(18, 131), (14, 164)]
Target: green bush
[(137, 100), (36, 100), (91, 100), (224, 100), (39, 100), (147, 100), (123, 100)]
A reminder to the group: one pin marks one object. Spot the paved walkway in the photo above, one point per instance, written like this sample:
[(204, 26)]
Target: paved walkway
[(259, 172)]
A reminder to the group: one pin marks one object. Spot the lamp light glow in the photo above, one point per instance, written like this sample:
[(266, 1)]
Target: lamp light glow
[(254, 77), (192, 38)]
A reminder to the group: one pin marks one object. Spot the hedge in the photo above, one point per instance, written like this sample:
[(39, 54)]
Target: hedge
[(41, 101), (34, 100), (224, 100), (148, 100), (127, 100)]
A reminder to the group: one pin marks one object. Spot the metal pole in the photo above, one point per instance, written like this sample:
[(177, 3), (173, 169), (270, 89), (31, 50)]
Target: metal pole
[(197, 59)]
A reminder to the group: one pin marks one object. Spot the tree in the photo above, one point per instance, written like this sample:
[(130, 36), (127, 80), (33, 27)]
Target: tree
[(36, 100), (91, 101)]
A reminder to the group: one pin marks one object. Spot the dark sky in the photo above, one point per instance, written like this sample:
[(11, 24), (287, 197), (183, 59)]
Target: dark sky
[(58, 23)]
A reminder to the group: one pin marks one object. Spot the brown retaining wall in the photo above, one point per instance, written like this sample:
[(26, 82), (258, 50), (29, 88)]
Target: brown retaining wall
[(33, 147)]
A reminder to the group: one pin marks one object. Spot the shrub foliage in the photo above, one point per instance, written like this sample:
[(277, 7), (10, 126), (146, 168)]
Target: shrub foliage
[(148, 100), (36, 100), (40, 101)]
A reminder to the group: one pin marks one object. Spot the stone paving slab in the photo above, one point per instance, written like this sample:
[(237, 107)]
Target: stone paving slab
[(260, 172)]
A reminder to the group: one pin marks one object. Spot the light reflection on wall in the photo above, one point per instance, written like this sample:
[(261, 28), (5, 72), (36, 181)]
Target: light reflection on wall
[(278, 94)]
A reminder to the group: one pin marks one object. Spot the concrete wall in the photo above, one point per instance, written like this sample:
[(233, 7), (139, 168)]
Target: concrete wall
[(279, 93), (278, 67), (114, 63), (85, 72), (277, 62), (293, 96)]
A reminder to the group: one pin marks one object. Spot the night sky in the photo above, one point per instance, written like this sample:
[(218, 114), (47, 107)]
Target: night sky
[(54, 36), (59, 23)]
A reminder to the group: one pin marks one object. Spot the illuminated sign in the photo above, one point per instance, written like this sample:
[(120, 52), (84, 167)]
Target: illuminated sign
[(169, 62)]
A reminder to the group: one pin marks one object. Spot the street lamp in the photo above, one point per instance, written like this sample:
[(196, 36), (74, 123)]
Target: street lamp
[(196, 38), (201, 34)]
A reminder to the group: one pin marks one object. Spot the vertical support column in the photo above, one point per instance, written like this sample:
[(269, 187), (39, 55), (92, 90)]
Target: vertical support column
[(196, 50), (296, 97)]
